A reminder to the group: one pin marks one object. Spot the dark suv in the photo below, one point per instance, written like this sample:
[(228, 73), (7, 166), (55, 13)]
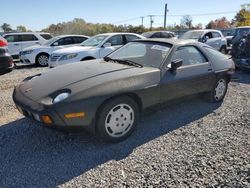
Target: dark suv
[(6, 61), (238, 35)]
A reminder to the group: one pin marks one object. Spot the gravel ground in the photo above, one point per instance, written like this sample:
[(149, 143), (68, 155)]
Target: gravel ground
[(191, 143)]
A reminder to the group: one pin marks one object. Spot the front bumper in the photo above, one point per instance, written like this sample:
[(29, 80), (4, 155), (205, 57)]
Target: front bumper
[(35, 110), (27, 59)]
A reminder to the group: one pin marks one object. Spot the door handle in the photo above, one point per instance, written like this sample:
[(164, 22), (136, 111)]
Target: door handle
[(16, 44), (210, 70)]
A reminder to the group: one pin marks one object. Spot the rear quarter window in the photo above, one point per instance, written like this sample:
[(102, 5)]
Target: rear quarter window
[(216, 54), (46, 36)]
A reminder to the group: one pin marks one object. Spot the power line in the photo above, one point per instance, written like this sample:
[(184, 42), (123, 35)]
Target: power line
[(173, 15)]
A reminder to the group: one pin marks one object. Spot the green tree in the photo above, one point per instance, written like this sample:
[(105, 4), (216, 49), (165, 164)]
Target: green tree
[(6, 27), (21, 28)]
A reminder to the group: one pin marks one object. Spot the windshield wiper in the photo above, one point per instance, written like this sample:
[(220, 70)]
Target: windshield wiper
[(123, 61)]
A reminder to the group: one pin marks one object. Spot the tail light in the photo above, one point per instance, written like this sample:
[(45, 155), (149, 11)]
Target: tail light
[(3, 43)]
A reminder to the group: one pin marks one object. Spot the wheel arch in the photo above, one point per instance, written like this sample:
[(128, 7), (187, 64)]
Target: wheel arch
[(131, 95), (88, 58), (41, 53)]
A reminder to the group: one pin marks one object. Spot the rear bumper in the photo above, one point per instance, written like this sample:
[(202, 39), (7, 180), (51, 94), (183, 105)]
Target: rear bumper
[(6, 62)]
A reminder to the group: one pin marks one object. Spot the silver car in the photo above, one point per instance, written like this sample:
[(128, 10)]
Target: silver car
[(213, 38)]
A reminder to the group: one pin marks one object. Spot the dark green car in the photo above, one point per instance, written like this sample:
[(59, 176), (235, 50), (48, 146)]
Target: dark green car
[(107, 95)]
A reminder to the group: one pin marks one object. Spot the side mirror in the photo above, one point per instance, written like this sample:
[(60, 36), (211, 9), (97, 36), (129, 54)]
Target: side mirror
[(55, 44), (176, 64), (107, 44)]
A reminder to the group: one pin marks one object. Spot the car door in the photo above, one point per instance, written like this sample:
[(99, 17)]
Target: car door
[(209, 40), (63, 43), (194, 76), (217, 40), (114, 42), (28, 40), (14, 44)]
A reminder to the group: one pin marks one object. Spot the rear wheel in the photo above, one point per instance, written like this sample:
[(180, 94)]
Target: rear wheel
[(42, 60), (219, 90), (117, 119)]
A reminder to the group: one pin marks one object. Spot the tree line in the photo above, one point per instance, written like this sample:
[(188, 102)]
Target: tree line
[(80, 26)]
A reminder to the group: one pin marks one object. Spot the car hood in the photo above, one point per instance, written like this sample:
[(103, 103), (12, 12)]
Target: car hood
[(63, 77), (73, 49)]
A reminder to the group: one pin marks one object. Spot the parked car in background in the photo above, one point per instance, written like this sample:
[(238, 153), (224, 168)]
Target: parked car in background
[(238, 35), (40, 54), (18, 41), (6, 61), (93, 48), (159, 34), (107, 95), (213, 38)]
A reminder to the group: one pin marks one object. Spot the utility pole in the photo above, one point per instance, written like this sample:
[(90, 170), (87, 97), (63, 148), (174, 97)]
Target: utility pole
[(165, 15), (151, 21), (142, 20)]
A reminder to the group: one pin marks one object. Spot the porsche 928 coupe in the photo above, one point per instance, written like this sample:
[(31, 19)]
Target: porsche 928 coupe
[(107, 95)]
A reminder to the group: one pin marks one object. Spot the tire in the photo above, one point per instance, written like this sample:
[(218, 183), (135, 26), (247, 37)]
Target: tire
[(42, 60), (218, 90), (117, 119), (223, 50)]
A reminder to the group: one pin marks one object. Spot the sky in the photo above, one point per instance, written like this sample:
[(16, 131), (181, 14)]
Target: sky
[(37, 14)]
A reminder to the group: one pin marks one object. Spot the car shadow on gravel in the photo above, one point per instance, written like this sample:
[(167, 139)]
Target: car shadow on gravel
[(33, 156), (241, 76)]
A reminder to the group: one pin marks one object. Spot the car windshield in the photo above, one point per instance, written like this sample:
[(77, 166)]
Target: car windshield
[(146, 54), (192, 35), (94, 41), (51, 41)]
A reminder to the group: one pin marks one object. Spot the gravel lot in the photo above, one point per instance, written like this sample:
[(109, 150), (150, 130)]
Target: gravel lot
[(187, 144)]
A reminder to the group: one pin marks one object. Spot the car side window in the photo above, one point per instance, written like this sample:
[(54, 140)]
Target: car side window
[(165, 35), (12, 38), (156, 35), (190, 55), (26, 38), (65, 41), (216, 35), (208, 35), (130, 38), (79, 40), (116, 40)]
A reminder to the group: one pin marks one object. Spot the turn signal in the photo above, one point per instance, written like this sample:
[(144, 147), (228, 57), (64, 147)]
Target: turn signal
[(74, 115), (46, 119)]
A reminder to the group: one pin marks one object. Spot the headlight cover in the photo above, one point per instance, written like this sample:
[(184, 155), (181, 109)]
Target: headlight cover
[(26, 52), (61, 97), (68, 56)]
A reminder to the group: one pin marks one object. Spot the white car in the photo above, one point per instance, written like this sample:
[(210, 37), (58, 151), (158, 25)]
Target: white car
[(18, 41), (93, 48), (40, 54)]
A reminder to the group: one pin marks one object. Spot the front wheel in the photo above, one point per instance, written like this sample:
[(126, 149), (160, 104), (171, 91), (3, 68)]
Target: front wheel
[(219, 90), (117, 119), (42, 60)]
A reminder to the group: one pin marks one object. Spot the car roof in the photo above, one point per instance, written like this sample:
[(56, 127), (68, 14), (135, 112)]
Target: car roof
[(205, 30), (21, 33), (159, 31), (61, 36), (174, 42), (243, 27), (118, 33)]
